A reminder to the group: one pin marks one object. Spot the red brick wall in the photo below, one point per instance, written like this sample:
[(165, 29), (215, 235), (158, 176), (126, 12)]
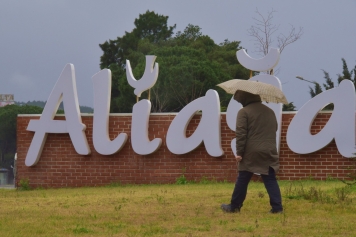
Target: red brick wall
[(61, 166)]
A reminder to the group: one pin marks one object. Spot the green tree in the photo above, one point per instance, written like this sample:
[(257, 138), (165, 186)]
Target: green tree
[(42, 104), (289, 107), (190, 63), (329, 84), (8, 124), (346, 74), (149, 26), (189, 69)]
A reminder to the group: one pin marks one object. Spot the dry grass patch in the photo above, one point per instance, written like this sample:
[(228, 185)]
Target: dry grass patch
[(176, 210)]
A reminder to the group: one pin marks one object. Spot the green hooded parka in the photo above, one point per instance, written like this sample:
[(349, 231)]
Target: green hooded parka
[(256, 127)]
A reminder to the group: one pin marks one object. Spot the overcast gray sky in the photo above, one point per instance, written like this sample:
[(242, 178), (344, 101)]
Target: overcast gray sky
[(39, 37)]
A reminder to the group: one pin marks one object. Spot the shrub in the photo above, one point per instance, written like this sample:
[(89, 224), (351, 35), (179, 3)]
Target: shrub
[(24, 185)]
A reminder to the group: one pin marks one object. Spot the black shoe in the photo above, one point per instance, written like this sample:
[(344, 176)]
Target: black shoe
[(227, 208), (276, 211)]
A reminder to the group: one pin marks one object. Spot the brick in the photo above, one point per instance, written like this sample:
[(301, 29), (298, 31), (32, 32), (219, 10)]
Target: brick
[(61, 166)]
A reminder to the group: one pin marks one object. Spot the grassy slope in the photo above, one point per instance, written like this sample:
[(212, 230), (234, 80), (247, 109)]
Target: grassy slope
[(176, 210)]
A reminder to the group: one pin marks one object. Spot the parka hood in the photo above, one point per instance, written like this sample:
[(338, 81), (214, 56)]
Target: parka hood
[(246, 98)]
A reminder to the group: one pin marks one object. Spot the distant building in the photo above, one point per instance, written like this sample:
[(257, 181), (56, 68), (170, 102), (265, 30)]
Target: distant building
[(6, 99)]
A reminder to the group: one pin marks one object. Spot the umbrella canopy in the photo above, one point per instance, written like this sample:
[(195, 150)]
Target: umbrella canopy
[(267, 92)]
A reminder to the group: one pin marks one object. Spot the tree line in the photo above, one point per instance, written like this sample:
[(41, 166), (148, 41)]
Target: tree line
[(83, 109), (8, 123), (329, 83), (190, 63)]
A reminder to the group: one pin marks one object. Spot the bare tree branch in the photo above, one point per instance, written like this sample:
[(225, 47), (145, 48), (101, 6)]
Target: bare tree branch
[(161, 100), (263, 30), (293, 36)]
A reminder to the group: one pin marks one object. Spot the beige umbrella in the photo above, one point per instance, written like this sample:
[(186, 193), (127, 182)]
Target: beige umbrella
[(267, 92)]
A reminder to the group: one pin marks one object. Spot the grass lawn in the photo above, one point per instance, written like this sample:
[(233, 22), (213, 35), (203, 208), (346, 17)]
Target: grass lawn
[(312, 208)]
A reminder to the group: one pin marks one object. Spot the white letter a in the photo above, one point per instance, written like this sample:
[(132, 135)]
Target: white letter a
[(65, 88), (208, 130), (341, 125)]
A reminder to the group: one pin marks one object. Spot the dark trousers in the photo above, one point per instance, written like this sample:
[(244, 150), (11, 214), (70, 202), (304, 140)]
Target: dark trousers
[(270, 182)]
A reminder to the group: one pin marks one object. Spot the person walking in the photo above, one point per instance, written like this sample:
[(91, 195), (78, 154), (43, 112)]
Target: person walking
[(256, 148)]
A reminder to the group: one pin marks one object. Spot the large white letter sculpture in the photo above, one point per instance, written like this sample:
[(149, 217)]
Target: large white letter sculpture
[(231, 115), (264, 64), (148, 79), (139, 129), (102, 95), (141, 110), (341, 125), (65, 89), (208, 130)]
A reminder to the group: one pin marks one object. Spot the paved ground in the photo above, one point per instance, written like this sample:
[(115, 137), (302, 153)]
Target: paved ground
[(7, 186)]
